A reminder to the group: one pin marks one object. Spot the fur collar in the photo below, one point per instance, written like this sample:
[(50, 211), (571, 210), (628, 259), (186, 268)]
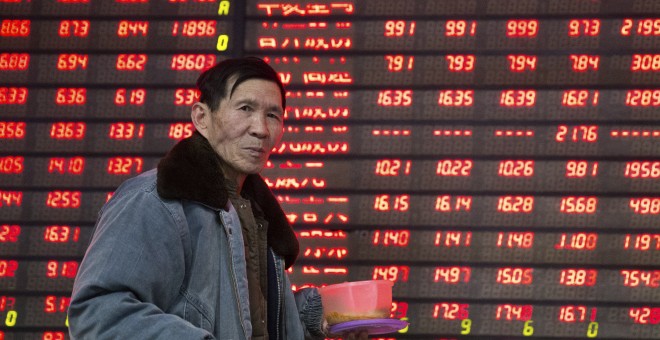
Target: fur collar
[(191, 171)]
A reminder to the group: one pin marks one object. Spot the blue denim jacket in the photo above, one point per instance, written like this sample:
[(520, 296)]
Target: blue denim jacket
[(161, 268)]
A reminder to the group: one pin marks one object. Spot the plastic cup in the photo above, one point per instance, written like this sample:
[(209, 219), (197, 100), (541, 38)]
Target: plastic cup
[(357, 300)]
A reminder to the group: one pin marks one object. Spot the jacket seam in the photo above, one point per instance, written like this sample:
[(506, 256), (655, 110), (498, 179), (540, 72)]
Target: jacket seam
[(233, 275), (280, 292), (193, 301)]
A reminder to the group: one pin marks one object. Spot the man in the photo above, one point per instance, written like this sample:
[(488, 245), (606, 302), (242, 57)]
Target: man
[(198, 249)]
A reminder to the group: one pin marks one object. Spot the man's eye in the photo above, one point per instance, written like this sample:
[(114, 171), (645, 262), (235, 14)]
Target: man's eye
[(244, 108)]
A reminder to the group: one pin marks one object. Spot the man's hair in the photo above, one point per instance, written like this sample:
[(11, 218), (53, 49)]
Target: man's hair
[(212, 83)]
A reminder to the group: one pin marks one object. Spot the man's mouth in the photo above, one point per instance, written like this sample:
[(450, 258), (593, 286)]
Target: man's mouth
[(258, 151)]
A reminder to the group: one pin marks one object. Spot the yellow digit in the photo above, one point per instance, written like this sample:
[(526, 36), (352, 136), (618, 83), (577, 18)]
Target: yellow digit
[(11, 318), (223, 41), (223, 7), (528, 330), (66, 321), (404, 330), (466, 324), (592, 330)]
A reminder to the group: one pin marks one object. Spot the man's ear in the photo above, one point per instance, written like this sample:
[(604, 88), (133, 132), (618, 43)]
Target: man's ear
[(201, 117)]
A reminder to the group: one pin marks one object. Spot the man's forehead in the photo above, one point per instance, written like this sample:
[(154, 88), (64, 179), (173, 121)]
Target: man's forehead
[(231, 90)]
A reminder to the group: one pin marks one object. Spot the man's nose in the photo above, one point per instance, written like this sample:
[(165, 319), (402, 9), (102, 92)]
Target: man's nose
[(259, 126)]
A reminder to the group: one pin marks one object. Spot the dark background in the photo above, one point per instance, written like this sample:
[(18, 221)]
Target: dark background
[(497, 159)]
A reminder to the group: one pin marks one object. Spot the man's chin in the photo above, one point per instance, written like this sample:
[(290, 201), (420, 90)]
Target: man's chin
[(253, 170)]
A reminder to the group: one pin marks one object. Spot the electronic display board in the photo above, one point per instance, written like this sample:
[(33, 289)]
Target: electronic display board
[(497, 159)]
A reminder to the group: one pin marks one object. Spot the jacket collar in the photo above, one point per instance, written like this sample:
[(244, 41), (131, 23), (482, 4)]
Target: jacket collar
[(191, 171)]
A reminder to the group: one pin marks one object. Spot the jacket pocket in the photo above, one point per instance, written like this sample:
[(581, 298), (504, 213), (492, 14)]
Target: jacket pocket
[(196, 312)]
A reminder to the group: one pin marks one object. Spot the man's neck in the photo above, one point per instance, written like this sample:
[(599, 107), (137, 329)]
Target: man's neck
[(233, 178)]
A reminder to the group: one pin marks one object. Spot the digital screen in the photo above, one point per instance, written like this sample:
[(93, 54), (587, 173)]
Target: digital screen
[(496, 159)]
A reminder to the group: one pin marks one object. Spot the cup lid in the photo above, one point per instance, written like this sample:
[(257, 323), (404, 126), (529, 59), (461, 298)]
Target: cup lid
[(372, 326)]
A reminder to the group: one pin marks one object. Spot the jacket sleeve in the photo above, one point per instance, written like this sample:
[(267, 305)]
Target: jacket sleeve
[(309, 309), (132, 270)]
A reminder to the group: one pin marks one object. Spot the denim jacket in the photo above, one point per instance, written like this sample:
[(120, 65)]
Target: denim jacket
[(167, 259)]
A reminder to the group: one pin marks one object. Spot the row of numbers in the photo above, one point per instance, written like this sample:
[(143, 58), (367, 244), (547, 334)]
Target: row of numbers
[(525, 62), (512, 276), (78, 130), (119, 165), (585, 241), (392, 28), (515, 204), (513, 98), (470, 313), (401, 203), (394, 63), (124, 28), (528, 28)]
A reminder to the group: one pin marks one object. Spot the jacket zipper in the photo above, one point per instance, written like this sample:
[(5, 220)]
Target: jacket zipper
[(233, 275), (280, 292)]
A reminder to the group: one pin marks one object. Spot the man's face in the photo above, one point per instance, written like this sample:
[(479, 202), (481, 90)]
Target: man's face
[(247, 125)]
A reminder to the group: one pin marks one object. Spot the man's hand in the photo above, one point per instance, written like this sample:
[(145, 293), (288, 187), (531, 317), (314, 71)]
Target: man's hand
[(363, 335)]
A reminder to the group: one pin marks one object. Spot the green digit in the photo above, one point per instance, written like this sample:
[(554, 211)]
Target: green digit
[(528, 330), (592, 330), (223, 42), (405, 330), (466, 324), (10, 321)]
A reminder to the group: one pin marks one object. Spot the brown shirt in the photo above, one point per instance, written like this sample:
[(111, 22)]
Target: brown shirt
[(255, 241)]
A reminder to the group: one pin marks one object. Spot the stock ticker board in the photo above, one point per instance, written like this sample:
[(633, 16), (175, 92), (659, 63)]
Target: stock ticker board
[(498, 160)]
